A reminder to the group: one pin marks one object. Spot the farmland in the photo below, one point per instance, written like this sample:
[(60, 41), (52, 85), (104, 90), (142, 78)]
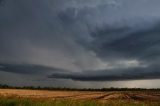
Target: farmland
[(22, 97)]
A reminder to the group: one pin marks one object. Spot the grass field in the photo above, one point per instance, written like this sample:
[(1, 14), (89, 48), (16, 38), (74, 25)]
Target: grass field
[(31, 102), (14, 97)]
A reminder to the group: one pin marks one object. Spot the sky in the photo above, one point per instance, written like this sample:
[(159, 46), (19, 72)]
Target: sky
[(80, 43)]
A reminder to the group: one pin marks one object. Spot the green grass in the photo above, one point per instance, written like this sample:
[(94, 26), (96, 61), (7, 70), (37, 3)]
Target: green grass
[(36, 102)]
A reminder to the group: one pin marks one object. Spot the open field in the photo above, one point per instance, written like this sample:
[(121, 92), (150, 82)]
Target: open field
[(15, 97)]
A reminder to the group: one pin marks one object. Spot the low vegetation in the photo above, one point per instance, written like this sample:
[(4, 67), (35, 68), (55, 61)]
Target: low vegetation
[(31, 102)]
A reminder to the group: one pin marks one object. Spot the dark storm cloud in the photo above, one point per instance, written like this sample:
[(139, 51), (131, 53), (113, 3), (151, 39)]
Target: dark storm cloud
[(142, 44), (129, 38), (115, 40), (111, 75), (30, 69)]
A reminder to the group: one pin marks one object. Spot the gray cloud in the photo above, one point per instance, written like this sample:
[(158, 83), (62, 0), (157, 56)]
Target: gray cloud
[(151, 72), (118, 39), (29, 69), (138, 44)]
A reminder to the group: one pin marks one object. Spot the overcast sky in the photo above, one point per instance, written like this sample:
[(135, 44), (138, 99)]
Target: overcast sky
[(80, 43)]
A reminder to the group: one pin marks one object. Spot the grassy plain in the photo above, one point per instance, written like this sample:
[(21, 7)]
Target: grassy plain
[(18, 97)]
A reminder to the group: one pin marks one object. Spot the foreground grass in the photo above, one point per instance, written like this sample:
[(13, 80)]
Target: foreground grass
[(36, 102)]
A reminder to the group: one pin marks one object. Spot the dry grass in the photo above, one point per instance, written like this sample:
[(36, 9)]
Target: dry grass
[(78, 98)]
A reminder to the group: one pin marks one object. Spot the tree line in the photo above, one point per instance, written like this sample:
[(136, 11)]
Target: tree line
[(76, 89)]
